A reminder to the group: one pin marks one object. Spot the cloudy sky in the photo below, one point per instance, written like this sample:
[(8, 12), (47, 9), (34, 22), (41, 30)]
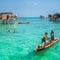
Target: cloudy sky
[(30, 8)]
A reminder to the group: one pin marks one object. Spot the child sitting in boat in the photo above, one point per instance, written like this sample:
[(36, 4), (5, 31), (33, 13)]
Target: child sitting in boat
[(44, 39)]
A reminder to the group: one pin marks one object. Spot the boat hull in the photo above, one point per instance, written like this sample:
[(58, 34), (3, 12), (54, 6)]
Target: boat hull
[(48, 44)]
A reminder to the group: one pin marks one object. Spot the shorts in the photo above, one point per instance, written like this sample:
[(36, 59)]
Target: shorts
[(43, 41)]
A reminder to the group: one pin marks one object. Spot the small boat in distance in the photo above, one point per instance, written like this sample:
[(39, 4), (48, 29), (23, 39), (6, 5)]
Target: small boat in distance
[(23, 22), (48, 44)]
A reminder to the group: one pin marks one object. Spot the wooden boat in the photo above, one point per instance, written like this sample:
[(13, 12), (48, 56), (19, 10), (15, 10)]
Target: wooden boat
[(48, 44), (23, 22)]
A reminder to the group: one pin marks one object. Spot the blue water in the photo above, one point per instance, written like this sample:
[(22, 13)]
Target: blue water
[(20, 45)]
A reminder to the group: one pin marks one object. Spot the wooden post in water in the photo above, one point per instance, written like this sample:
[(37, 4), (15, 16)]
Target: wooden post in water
[(8, 25), (15, 26)]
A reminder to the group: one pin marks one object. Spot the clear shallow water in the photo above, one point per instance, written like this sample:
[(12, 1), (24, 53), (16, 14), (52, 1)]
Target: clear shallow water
[(20, 45)]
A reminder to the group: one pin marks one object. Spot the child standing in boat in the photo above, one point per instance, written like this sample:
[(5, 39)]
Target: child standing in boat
[(52, 35)]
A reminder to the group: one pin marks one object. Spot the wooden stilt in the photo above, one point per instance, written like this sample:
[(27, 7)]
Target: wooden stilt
[(15, 27), (8, 26)]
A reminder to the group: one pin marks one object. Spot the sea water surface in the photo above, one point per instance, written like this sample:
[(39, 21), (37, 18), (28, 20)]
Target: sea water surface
[(20, 45)]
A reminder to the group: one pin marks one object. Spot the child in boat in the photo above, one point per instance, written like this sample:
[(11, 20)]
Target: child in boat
[(52, 35), (44, 39), (38, 48)]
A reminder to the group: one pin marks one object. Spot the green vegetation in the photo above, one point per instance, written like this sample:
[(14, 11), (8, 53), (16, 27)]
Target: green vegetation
[(54, 17)]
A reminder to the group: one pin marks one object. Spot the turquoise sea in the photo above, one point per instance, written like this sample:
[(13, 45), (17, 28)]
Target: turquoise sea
[(20, 45)]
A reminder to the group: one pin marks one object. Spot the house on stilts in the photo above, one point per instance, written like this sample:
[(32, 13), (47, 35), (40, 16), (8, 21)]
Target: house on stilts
[(6, 17)]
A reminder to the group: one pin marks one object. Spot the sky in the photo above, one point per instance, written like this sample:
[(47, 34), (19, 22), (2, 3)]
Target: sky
[(30, 8)]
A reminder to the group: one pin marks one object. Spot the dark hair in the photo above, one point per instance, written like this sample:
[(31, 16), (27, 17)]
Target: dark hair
[(38, 46), (46, 33), (52, 31)]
